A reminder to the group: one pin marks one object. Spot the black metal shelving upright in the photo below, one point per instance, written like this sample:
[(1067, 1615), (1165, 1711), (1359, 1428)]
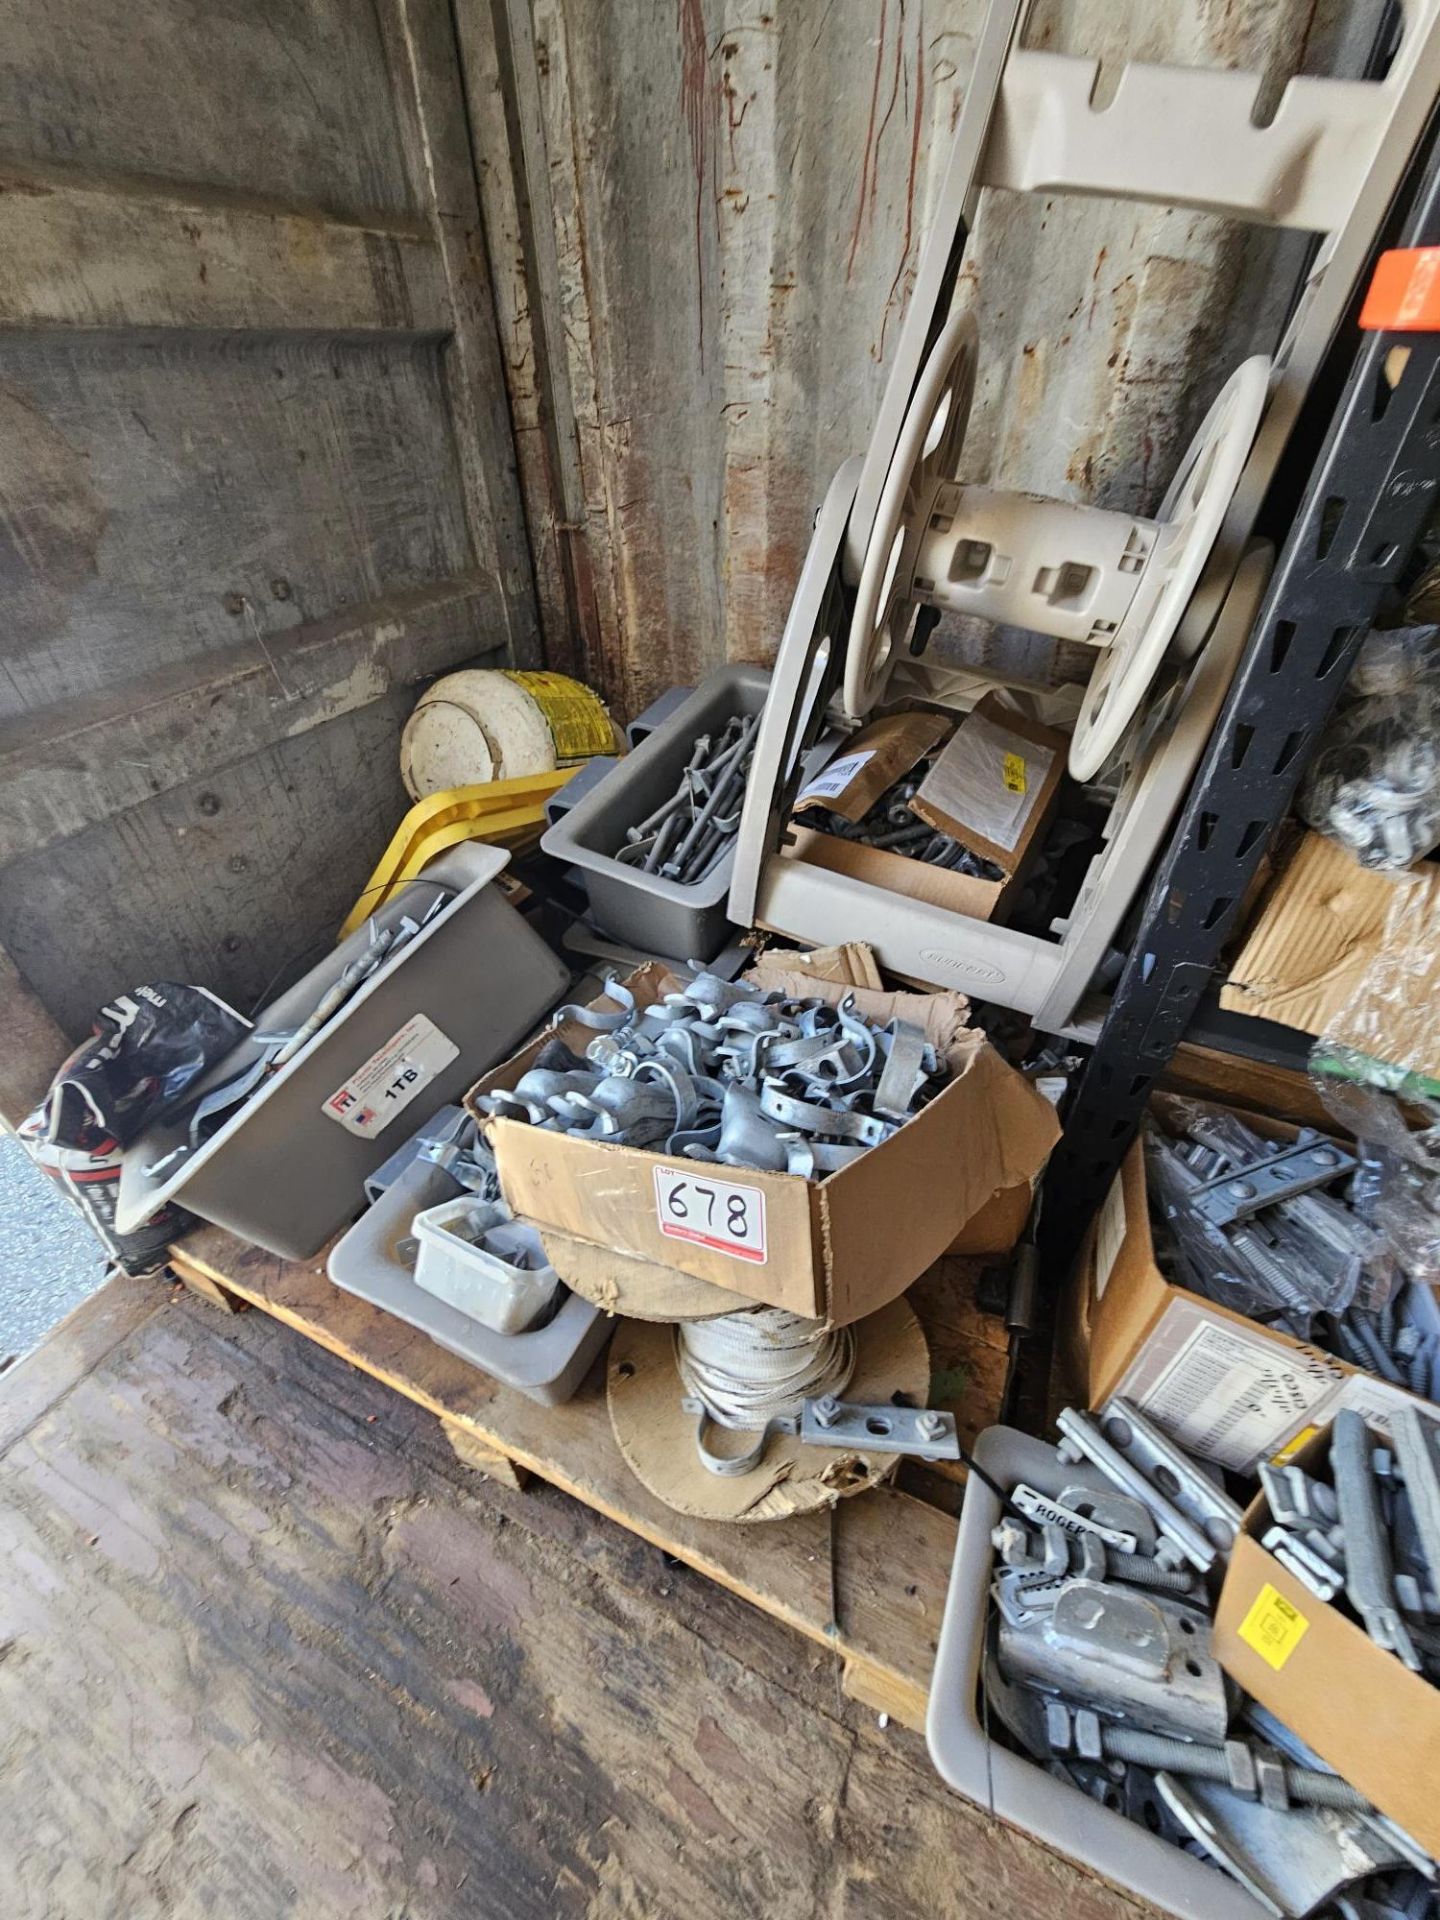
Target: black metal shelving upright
[(1366, 502)]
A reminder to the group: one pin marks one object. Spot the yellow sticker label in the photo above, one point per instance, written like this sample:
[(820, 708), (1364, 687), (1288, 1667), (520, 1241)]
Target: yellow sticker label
[(576, 717), (1013, 772), (1293, 1446), (1273, 1628)]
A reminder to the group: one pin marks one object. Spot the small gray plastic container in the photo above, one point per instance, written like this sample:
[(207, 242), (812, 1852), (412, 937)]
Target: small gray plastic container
[(283, 1170), (492, 1268), (546, 1365), (659, 916), (1009, 1784)]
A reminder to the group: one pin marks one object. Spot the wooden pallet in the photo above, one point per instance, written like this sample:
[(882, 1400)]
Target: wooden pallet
[(891, 1547)]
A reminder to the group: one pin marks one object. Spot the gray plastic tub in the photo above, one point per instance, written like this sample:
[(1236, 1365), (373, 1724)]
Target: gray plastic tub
[(547, 1364), (660, 916), (286, 1170), (1009, 1784)]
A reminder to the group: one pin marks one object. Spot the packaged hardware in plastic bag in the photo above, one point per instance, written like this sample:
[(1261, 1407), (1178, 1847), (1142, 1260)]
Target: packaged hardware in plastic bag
[(1265, 1227), (1377, 1069), (147, 1048), (1374, 785)]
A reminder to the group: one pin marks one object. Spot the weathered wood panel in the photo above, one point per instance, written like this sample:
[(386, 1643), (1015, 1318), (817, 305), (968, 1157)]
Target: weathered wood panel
[(236, 879), (728, 203), (269, 1649), (500, 77), (256, 471), (288, 100), (167, 496), (99, 754), (102, 254)]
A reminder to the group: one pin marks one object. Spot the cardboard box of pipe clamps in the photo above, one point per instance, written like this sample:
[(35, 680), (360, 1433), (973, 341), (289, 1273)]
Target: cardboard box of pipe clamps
[(1229, 1389), (1360, 1707), (619, 1230)]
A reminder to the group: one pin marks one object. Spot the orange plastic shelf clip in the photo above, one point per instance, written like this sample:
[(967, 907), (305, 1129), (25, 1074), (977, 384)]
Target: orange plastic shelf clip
[(1404, 296)]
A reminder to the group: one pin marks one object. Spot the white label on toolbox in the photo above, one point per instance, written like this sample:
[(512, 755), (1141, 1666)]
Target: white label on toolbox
[(832, 781), (689, 1205), (390, 1079), (1223, 1391)]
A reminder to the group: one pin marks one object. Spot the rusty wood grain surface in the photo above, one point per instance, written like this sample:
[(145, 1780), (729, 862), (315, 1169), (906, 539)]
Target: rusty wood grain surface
[(270, 1650)]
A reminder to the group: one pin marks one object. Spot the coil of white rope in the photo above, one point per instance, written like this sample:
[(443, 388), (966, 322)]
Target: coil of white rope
[(749, 1368)]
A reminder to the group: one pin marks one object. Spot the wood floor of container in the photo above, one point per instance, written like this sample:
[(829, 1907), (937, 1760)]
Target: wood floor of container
[(269, 1647), (880, 1609)]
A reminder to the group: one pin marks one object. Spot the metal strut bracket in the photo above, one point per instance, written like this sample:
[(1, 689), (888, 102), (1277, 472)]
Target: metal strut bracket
[(918, 1431), (1243, 1191), (830, 1422)]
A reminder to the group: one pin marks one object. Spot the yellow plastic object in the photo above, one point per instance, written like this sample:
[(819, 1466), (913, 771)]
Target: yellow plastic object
[(506, 812)]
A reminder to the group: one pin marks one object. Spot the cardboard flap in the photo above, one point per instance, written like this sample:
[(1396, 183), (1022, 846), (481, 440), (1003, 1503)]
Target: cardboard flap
[(1316, 955), (780, 969), (1362, 1710), (989, 1130), (867, 765), (608, 1196), (621, 1283), (959, 893)]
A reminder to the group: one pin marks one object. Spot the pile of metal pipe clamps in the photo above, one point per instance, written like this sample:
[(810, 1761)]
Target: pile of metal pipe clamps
[(725, 1072)]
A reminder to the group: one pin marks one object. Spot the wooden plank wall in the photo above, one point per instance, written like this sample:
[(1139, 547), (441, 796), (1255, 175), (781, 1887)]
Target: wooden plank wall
[(719, 215), (256, 472)]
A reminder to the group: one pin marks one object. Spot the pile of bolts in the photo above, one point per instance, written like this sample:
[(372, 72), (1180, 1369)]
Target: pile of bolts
[(1100, 1665), (687, 836), (892, 826), (1286, 1234)]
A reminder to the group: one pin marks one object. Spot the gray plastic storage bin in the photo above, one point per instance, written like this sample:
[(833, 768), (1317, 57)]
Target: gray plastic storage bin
[(547, 1364), (1009, 1784), (586, 776), (286, 1170), (658, 916)]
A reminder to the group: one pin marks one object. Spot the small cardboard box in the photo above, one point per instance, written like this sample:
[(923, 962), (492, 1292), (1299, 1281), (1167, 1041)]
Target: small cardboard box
[(1227, 1388), (834, 1249), (1041, 756), (1362, 1710)]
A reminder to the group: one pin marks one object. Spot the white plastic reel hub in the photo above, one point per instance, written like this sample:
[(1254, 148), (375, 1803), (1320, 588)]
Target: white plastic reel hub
[(1116, 581)]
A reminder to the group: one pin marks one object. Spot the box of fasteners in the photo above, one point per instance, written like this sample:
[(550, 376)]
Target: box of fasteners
[(1369, 1710), (1231, 1387), (658, 1234), (903, 805)]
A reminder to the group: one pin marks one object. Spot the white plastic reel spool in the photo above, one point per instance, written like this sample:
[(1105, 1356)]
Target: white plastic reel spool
[(1115, 581)]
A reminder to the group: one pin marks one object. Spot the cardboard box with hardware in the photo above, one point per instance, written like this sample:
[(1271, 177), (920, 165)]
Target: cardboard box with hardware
[(643, 1233), (1231, 1388), (985, 789), (1368, 1714)]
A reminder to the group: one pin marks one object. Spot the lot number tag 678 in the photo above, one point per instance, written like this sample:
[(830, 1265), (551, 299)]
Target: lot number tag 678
[(722, 1214)]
